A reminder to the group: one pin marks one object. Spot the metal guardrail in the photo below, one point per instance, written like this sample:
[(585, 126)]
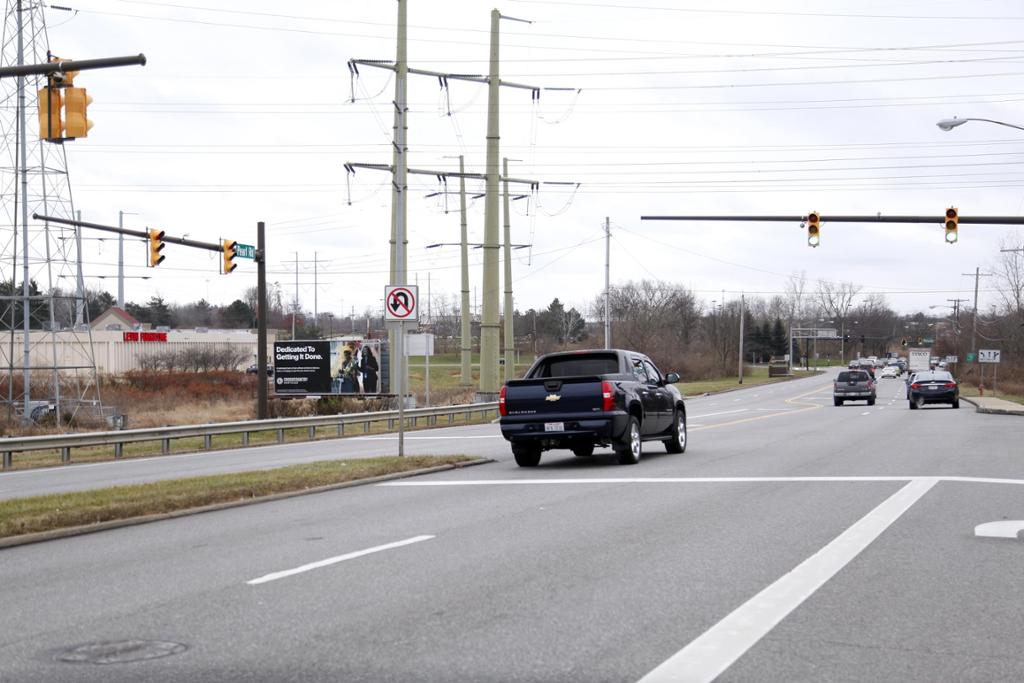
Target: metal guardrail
[(118, 439)]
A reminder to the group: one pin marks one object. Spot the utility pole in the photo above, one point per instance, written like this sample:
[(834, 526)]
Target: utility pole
[(743, 311), (607, 281), (977, 275), (466, 315)]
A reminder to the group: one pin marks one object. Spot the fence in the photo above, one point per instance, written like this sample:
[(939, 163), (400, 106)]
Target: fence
[(65, 442)]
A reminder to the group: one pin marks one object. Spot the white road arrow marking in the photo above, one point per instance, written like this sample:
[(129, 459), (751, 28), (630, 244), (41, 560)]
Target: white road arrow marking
[(1010, 529)]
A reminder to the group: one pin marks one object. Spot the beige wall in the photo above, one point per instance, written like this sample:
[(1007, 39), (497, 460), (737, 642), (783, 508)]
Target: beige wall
[(115, 356)]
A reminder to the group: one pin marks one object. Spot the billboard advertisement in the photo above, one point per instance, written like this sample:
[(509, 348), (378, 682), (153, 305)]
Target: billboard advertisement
[(327, 367)]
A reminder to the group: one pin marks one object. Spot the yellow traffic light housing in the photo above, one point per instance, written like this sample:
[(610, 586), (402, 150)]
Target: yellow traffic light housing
[(229, 247), (51, 126), (76, 106), (813, 229), (952, 224), (156, 245)]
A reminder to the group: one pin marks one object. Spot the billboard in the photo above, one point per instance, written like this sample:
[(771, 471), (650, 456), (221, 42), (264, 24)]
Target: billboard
[(328, 367)]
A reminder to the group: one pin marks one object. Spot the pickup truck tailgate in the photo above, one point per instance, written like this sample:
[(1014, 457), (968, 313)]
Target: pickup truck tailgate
[(554, 396)]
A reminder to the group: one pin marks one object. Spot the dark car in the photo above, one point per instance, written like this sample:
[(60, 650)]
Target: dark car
[(254, 369), (854, 385), (936, 386), (577, 400)]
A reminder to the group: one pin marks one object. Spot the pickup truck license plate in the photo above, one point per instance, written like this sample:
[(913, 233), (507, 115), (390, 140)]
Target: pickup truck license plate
[(554, 426)]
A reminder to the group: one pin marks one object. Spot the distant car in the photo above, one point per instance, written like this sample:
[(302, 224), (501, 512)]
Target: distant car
[(254, 369), (937, 386), (890, 371), (853, 385)]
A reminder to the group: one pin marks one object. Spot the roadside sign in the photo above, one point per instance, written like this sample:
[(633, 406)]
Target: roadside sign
[(970, 357), (400, 303), (952, 359), (988, 355), (245, 251)]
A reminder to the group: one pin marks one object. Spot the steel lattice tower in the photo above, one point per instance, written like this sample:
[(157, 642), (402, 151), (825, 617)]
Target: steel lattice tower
[(46, 356)]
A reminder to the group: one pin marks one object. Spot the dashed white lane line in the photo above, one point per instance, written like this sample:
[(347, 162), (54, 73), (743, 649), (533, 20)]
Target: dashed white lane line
[(866, 413), (711, 653), (394, 437), (334, 560)]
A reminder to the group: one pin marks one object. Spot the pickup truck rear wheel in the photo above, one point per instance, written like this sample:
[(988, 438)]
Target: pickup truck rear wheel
[(526, 455), (630, 447), (677, 444)]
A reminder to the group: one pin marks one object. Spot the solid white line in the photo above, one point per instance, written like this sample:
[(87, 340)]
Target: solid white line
[(705, 658), (699, 480), (334, 560), (724, 412), (394, 437), (1006, 529)]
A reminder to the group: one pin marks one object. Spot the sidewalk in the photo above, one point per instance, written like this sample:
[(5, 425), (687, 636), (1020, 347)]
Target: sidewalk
[(987, 404)]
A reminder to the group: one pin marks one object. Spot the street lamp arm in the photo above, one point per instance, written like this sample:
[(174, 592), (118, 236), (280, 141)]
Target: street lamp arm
[(950, 124)]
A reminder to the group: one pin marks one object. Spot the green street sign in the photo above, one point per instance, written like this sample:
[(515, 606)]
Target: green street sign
[(245, 251), (970, 357)]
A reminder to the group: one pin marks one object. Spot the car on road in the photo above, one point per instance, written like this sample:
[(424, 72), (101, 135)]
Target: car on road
[(581, 399), (254, 369), (853, 385), (890, 371), (937, 386)]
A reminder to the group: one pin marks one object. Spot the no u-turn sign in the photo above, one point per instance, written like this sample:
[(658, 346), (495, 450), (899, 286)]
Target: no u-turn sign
[(400, 303)]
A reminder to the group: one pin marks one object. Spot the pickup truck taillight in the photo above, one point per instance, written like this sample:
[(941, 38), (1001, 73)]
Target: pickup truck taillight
[(502, 410), (607, 397)]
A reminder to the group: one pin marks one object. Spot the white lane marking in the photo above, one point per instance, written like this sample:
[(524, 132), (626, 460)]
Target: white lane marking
[(1007, 529), (394, 437), (714, 651), (736, 400), (698, 480), (724, 412), (775, 410), (334, 560)]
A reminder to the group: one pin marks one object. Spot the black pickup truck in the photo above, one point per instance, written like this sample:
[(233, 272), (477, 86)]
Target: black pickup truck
[(582, 399)]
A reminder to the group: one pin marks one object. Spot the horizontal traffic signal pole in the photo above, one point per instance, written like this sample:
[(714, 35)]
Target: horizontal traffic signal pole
[(940, 219), (144, 234), (68, 65)]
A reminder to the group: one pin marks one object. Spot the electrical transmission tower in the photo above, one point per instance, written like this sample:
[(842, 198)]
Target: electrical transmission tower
[(46, 355)]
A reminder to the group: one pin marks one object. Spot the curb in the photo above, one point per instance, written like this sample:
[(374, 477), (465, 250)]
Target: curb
[(993, 411), (41, 536)]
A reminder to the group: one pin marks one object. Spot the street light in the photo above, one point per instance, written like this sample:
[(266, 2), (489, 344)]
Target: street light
[(950, 124)]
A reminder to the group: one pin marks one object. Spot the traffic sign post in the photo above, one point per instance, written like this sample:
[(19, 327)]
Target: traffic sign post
[(989, 356), (401, 305), (245, 251)]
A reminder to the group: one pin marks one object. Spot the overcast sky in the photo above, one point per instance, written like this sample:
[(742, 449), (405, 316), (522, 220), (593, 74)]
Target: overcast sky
[(244, 113)]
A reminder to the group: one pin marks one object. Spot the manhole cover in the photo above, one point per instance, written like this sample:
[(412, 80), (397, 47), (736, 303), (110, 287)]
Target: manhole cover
[(120, 651)]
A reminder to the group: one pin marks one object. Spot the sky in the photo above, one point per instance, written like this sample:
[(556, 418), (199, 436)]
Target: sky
[(248, 112)]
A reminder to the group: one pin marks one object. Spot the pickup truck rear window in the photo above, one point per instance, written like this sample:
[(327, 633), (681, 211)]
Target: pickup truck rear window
[(574, 366)]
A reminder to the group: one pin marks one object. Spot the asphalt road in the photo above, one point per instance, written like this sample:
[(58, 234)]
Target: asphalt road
[(793, 541)]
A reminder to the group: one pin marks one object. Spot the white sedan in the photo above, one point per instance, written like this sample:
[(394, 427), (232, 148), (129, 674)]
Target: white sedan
[(891, 371)]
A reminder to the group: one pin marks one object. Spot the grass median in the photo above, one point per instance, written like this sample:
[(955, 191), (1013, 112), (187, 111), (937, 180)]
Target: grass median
[(21, 516), (752, 376)]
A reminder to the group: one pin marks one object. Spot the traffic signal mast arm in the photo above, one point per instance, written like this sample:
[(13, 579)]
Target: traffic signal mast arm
[(218, 247), (932, 220), (70, 66)]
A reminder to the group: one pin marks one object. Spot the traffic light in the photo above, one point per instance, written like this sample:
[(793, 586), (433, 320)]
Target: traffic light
[(156, 245), (76, 106), (952, 223), (846, 339), (863, 338), (813, 229), (51, 126), (229, 247)]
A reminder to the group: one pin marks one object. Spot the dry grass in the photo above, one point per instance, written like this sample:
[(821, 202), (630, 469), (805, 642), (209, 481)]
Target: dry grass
[(44, 513)]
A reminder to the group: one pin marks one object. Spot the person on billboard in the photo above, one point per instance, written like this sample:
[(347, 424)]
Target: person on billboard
[(368, 366), (349, 368)]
